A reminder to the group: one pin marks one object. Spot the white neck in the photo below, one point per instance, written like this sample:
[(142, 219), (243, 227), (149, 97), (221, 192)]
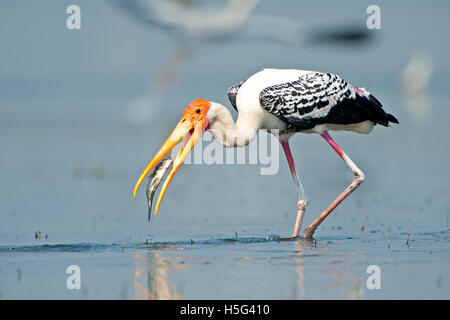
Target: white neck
[(226, 131)]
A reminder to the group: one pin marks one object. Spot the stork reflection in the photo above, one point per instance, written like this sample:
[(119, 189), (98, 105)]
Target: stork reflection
[(151, 276)]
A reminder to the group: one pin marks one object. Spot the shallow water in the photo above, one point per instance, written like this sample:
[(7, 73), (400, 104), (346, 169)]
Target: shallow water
[(270, 267), (74, 138)]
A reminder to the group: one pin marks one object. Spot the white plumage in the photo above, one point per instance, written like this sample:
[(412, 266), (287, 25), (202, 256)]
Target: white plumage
[(308, 101)]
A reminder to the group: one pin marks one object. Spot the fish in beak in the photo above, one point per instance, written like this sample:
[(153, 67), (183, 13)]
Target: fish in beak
[(191, 127), (154, 180)]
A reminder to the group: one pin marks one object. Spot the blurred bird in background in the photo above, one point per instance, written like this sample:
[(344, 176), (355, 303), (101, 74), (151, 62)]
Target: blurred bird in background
[(194, 23), (415, 78)]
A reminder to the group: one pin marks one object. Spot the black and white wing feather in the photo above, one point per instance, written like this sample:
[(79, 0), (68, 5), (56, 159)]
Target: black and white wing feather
[(318, 98), (232, 93)]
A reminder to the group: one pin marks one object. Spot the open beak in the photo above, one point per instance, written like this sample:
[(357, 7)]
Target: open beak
[(191, 130)]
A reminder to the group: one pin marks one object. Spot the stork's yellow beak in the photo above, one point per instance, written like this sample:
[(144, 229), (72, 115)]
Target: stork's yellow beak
[(191, 126)]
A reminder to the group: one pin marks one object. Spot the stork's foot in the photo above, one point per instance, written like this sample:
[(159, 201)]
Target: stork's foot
[(301, 206), (308, 233)]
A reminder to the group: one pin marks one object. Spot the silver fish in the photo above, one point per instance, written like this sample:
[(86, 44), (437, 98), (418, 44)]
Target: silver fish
[(154, 179)]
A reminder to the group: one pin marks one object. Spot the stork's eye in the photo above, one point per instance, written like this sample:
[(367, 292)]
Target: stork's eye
[(198, 110)]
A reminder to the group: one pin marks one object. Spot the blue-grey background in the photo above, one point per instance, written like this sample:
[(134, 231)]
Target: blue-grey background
[(82, 113)]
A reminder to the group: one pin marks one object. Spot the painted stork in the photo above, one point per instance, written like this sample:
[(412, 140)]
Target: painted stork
[(288, 101)]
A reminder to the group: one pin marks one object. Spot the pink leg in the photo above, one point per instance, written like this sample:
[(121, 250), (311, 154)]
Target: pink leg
[(301, 204), (359, 178)]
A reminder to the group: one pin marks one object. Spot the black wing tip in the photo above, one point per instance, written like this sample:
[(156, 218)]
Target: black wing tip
[(386, 121), (388, 117), (392, 119)]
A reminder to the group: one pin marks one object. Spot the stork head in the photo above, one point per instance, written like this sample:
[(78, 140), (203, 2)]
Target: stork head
[(191, 126)]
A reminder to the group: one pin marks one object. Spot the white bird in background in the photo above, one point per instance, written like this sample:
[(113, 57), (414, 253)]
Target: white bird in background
[(415, 78), (194, 22), (287, 101)]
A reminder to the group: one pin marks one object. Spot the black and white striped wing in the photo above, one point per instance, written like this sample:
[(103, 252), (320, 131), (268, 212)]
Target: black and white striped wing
[(318, 98), (232, 93)]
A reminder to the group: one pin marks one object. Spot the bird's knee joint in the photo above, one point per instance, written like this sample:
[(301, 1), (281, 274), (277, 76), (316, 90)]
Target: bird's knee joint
[(360, 177), (301, 204)]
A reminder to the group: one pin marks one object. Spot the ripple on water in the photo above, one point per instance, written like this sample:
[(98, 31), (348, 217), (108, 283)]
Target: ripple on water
[(88, 247)]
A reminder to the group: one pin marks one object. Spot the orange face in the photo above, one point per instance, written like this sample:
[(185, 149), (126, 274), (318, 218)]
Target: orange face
[(191, 126), (196, 110)]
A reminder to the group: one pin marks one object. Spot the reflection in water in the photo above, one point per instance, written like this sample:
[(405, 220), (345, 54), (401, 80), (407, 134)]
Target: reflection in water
[(151, 277), (341, 272), (300, 269), (318, 268), (349, 284), (344, 271)]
